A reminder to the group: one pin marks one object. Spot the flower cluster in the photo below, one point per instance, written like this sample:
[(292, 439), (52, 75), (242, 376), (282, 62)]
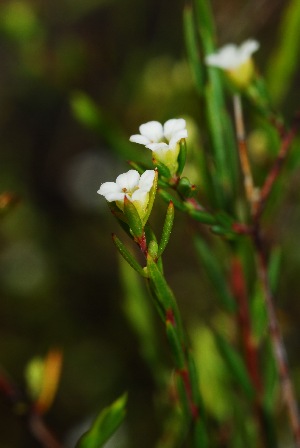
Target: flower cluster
[(135, 187), (163, 140), (236, 61)]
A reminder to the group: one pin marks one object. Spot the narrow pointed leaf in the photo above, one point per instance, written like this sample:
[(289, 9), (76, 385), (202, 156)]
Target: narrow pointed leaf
[(151, 198), (133, 218), (192, 49), (105, 425), (128, 256), (167, 197), (181, 157), (201, 216), (163, 292), (168, 224), (162, 169), (161, 287)]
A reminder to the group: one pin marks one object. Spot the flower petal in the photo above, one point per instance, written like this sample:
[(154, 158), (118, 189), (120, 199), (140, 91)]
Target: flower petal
[(249, 47), (177, 137), (114, 196), (141, 139), (140, 196), (128, 180), (158, 146), (146, 181), (226, 57), (152, 130), (108, 187), (172, 126), (231, 56)]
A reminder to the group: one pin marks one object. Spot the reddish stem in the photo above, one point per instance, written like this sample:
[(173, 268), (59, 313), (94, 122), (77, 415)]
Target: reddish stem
[(250, 349), (266, 189), (184, 373)]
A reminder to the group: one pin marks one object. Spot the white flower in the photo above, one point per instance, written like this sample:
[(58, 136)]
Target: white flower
[(236, 61), (163, 140), (232, 56), (135, 187)]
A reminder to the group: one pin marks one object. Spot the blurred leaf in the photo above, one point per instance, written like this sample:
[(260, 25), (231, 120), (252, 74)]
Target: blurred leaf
[(212, 371), (192, 48), (259, 316), (176, 346), (213, 268), (19, 21), (236, 365), (105, 425), (225, 172), (271, 383), (285, 60)]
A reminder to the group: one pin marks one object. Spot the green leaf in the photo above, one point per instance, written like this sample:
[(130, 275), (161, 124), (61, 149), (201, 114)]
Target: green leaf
[(200, 215), (105, 425), (152, 195), (214, 271), (192, 48), (259, 315), (163, 292), (128, 256), (167, 197), (284, 61), (166, 233), (134, 220), (162, 289), (162, 169), (181, 157), (236, 365), (175, 344), (153, 249), (140, 314)]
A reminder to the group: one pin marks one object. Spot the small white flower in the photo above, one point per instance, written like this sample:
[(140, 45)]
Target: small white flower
[(232, 56), (135, 187), (163, 140)]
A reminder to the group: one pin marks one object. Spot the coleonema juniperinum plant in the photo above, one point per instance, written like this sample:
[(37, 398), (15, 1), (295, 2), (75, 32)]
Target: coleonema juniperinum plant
[(233, 212), (226, 380)]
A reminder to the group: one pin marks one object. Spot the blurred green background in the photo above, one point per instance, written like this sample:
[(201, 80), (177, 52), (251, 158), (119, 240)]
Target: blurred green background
[(59, 272)]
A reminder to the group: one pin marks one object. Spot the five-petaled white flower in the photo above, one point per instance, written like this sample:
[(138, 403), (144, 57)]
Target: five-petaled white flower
[(163, 140), (235, 60), (135, 187)]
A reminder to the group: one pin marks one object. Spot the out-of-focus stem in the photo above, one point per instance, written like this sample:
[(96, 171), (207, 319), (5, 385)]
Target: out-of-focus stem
[(36, 425), (243, 153), (249, 346), (277, 343)]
